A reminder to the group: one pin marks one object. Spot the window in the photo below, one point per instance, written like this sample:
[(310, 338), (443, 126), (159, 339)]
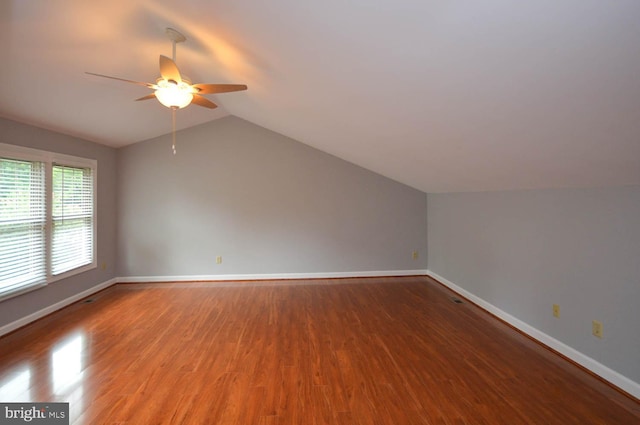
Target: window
[(72, 241), (22, 224), (47, 217)]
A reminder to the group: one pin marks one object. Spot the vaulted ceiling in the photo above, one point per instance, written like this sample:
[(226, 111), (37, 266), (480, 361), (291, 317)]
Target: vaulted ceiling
[(440, 95)]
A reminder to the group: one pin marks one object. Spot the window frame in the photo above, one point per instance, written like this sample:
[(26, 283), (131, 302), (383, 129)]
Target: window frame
[(50, 159)]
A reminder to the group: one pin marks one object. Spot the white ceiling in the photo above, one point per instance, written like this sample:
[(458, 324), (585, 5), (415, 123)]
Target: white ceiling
[(440, 95)]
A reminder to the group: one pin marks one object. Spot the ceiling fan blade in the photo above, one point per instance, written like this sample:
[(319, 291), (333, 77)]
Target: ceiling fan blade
[(218, 88), (147, 97), (202, 101), (152, 86), (169, 70)]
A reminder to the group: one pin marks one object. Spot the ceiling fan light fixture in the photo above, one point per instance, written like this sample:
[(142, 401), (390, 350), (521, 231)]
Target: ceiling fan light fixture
[(174, 90), (174, 95)]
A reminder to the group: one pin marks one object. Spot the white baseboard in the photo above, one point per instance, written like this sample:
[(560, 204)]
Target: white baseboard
[(599, 369), (10, 327), (274, 276)]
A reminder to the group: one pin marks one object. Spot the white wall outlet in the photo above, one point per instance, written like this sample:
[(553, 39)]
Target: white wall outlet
[(596, 328), (218, 260)]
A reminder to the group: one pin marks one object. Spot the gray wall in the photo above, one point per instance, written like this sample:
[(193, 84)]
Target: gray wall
[(24, 135), (523, 251), (266, 203)]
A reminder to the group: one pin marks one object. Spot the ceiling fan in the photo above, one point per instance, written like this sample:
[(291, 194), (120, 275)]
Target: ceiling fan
[(174, 90)]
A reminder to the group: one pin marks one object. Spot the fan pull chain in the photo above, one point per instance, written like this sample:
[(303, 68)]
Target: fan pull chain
[(173, 119)]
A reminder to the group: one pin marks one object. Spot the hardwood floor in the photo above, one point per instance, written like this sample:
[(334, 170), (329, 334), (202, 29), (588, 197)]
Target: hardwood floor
[(348, 351)]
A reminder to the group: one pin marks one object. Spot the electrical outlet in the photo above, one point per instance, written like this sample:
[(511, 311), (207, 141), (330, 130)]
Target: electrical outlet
[(414, 255), (556, 310), (104, 265), (218, 260), (596, 328)]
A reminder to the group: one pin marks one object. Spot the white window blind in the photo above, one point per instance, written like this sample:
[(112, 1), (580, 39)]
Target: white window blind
[(72, 214), (47, 217), (22, 225)]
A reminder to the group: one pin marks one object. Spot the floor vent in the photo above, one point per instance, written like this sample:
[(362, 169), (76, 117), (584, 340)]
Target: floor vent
[(456, 300)]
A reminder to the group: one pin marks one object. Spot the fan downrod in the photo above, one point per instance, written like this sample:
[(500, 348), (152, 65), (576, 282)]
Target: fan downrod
[(176, 37)]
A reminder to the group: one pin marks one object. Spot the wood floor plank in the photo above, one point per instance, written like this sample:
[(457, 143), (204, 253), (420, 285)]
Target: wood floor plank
[(367, 351)]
